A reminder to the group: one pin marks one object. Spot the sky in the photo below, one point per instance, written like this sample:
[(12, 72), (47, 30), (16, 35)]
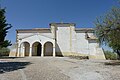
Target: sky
[(28, 14)]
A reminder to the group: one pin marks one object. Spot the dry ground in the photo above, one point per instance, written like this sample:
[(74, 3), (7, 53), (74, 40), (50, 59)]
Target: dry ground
[(58, 68)]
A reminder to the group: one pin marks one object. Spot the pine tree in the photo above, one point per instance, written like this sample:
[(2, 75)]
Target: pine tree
[(4, 27)]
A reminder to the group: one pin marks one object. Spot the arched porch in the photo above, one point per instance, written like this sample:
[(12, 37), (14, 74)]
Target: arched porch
[(36, 49), (48, 49), (24, 49)]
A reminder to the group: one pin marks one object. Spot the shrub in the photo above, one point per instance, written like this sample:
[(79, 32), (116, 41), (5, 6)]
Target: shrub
[(110, 55), (79, 57), (4, 51)]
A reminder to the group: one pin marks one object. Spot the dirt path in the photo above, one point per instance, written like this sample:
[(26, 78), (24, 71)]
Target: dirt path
[(49, 68)]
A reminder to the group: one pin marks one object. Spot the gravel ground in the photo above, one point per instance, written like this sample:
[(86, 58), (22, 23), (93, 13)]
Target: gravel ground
[(58, 68)]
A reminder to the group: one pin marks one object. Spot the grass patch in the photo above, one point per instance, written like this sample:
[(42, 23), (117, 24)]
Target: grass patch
[(110, 55), (79, 57), (113, 63), (4, 51)]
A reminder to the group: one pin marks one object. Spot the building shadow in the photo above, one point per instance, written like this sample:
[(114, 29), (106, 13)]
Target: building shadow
[(12, 66), (58, 52)]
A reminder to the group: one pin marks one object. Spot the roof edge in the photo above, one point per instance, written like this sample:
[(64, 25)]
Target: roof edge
[(54, 24), (35, 29), (84, 29)]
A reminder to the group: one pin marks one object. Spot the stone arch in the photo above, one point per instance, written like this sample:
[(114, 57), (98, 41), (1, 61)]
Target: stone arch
[(36, 49), (48, 49), (24, 49)]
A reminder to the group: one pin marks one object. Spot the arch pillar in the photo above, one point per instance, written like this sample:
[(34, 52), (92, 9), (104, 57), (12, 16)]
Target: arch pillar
[(54, 50), (18, 52), (30, 54), (23, 51), (42, 54)]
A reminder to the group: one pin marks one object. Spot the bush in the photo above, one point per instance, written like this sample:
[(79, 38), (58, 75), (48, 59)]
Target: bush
[(79, 57), (4, 51), (110, 55)]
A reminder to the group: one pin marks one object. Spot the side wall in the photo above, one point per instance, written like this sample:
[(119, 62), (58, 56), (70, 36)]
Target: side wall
[(63, 40), (82, 43)]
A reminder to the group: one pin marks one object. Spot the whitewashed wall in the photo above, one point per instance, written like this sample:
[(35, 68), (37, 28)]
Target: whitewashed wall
[(92, 47), (35, 37), (73, 39), (63, 39), (82, 43)]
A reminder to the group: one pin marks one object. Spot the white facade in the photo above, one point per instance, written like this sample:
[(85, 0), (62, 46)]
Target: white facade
[(61, 39)]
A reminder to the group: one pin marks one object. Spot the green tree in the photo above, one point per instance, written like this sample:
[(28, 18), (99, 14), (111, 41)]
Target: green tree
[(108, 29), (4, 27)]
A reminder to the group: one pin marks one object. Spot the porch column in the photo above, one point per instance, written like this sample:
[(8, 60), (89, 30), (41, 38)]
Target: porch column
[(42, 52), (54, 50), (23, 51), (18, 52), (30, 54)]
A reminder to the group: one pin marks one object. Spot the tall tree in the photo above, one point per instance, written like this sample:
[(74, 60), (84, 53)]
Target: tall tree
[(108, 29), (4, 27)]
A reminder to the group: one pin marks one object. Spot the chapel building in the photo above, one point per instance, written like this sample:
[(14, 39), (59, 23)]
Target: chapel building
[(61, 39)]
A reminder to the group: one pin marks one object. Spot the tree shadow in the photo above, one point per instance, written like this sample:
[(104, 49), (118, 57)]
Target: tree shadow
[(7, 57), (112, 63), (12, 66)]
